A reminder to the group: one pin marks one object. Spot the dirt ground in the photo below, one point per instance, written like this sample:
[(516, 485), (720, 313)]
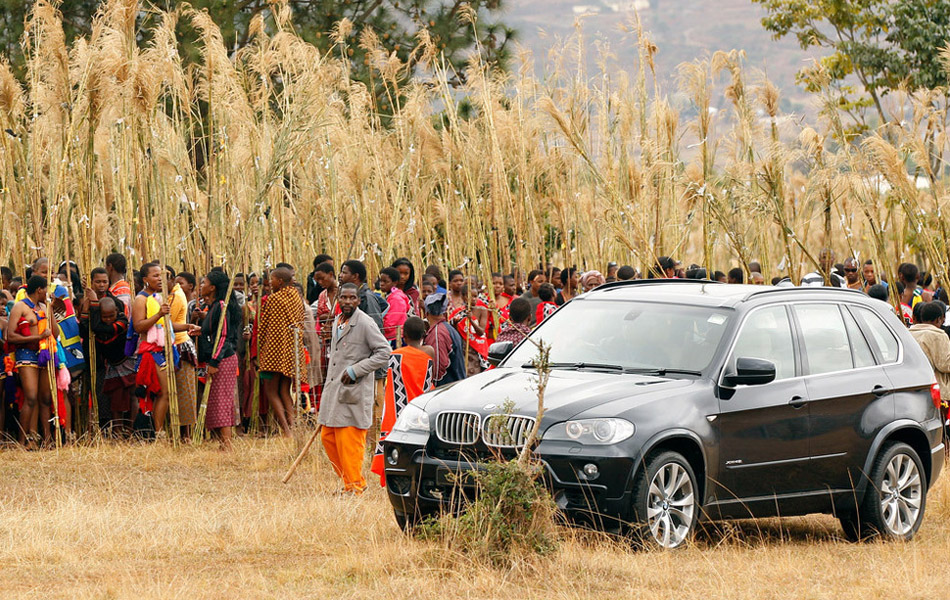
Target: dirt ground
[(148, 521)]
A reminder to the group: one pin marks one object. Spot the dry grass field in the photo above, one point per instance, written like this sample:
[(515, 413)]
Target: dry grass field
[(146, 521)]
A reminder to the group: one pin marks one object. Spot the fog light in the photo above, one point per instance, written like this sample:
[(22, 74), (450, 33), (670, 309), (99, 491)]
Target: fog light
[(394, 456), (591, 471)]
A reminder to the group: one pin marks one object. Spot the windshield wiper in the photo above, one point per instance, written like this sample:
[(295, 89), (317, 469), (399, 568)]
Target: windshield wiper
[(580, 366), (661, 372)]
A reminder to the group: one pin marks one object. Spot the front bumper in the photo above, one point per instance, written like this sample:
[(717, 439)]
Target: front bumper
[(428, 479)]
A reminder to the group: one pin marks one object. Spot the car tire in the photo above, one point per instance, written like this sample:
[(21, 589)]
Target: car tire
[(896, 497), (666, 504)]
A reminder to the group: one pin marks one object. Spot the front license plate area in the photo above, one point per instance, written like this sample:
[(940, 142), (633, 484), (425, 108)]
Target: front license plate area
[(447, 477)]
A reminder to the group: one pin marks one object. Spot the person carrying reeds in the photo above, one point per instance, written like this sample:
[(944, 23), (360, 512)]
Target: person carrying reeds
[(313, 280), (826, 274), (220, 354), (470, 319), (502, 301), (116, 267), (357, 350), (149, 312), (31, 334), (112, 364), (277, 361), (186, 382), (104, 318), (324, 312), (70, 349), (248, 376)]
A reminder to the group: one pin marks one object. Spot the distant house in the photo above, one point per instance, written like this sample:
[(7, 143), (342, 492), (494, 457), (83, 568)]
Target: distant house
[(585, 9), (628, 5)]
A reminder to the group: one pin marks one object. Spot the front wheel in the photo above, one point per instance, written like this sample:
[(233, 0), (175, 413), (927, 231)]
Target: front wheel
[(666, 507), (894, 503)]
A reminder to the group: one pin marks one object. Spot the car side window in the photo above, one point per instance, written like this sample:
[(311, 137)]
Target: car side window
[(862, 352), (825, 339), (879, 335), (767, 334)]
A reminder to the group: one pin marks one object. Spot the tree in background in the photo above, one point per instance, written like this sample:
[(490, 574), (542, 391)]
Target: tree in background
[(879, 44), (395, 26)]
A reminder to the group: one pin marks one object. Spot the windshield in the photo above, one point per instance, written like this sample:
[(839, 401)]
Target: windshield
[(630, 335)]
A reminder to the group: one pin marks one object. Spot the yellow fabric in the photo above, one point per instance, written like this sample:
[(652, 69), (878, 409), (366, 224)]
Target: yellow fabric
[(152, 306), (21, 293), (179, 310)]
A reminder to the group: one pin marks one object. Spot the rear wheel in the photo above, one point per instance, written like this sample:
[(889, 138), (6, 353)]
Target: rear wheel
[(666, 505), (894, 503)]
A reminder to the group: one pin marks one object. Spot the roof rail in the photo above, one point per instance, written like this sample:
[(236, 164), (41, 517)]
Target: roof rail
[(821, 289), (636, 282)]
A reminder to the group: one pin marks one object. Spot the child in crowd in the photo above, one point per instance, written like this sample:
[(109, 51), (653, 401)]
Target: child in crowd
[(547, 307)]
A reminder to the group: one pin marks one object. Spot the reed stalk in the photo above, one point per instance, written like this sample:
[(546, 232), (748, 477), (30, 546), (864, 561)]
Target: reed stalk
[(272, 153)]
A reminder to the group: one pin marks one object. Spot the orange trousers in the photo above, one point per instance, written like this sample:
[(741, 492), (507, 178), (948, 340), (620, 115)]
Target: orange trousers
[(346, 448)]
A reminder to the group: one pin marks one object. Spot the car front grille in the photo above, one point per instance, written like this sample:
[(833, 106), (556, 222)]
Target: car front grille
[(506, 431), (460, 428)]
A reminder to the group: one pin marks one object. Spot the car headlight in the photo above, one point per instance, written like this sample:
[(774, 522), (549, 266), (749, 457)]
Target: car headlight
[(412, 418), (594, 432)]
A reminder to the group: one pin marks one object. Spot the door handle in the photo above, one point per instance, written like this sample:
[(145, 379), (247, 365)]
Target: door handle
[(796, 402), (880, 390)]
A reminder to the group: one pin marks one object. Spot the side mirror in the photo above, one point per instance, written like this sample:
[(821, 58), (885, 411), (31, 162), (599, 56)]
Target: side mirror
[(750, 371), (498, 351)]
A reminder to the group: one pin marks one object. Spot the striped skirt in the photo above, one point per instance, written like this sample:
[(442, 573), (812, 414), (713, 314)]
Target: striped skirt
[(187, 387)]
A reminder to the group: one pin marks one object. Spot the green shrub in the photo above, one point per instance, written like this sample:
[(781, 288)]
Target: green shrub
[(513, 517)]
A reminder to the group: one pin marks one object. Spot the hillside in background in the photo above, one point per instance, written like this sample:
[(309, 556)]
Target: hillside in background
[(683, 30)]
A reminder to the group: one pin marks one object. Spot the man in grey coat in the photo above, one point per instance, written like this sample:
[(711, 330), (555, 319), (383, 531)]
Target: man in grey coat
[(357, 348)]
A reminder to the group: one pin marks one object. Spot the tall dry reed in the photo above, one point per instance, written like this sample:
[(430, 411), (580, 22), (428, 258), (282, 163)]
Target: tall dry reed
[(272, 153)]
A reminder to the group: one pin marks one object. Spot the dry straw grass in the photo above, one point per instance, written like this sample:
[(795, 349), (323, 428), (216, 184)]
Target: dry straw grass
[(577, 167), (146, 521)]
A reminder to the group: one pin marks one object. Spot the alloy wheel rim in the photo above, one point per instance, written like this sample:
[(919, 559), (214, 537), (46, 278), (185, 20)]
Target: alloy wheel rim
[(901, 495), (671, 505)]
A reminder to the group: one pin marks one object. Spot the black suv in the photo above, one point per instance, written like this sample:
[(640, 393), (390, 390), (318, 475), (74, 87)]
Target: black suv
[(672, 400)]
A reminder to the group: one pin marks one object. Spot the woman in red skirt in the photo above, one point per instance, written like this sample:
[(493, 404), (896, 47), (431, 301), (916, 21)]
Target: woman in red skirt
[(221, 355)]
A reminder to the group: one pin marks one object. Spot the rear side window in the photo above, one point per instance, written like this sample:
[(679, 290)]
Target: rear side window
[(825, 338), (767, 334), (878, 334), (862, 352)]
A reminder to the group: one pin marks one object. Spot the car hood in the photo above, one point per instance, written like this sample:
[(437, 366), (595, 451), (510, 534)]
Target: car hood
[(569, 393)]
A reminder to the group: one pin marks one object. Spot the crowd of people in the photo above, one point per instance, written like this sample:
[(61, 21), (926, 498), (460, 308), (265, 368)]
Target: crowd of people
[(251, 353)]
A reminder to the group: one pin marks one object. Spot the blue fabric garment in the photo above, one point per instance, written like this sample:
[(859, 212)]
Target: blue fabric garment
[(456, 370)]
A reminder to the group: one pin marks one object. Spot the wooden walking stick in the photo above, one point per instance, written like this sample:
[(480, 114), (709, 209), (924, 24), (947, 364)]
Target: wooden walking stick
[(256, 394), (170, 379), (303, 453), (51, 373), (297, 409)]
